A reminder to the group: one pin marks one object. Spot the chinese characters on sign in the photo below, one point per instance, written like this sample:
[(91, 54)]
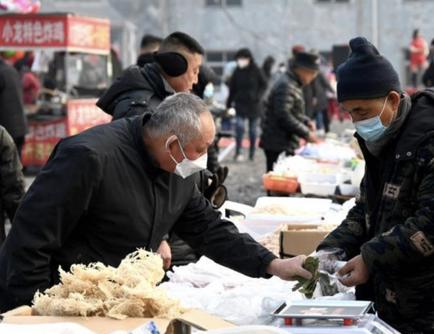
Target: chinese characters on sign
[(69, 32), (33, 32)]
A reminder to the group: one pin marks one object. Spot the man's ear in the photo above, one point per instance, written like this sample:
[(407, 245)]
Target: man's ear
[(395, 99), (170, 142)]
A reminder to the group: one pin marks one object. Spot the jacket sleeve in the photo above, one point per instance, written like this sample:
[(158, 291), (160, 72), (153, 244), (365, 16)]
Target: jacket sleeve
[(284, 102), (49, 212), (352, 232), (410, 242), (232, 89), (11, 175), (204, 230)]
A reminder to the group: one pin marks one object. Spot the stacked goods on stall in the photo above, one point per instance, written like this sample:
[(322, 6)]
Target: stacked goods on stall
[(290, 226), (319, 170)]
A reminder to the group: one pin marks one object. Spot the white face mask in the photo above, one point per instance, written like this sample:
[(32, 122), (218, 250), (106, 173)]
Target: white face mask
[(243, 62), (188, 167)]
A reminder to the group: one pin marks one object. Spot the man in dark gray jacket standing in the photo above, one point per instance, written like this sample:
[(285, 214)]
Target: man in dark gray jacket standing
[(12, 115), (285, 121), (120, 186)]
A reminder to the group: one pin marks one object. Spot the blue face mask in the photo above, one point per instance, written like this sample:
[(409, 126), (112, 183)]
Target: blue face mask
[(372, 128)]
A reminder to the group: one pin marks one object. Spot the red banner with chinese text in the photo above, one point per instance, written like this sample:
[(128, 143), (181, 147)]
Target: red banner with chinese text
[(84, 114), (41, 139), (67, 32)]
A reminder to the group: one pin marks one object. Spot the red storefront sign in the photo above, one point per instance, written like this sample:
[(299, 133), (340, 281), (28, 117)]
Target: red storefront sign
[(84, 114), (60, 31), (44, 135), (41, 139)]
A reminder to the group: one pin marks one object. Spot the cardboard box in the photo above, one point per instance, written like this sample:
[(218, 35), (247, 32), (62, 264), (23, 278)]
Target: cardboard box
[(300, 239), (100, 325)]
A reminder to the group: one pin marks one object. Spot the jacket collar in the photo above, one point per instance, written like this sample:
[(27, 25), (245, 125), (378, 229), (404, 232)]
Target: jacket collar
[(136, 127), (292, 75), (153, 76), (418, 127)]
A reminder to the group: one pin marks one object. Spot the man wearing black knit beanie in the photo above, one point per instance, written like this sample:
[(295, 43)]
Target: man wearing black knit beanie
[(388, 236)]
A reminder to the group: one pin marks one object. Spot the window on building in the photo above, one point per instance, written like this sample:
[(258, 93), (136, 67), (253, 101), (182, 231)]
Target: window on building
[(217, 59), (223, 3)]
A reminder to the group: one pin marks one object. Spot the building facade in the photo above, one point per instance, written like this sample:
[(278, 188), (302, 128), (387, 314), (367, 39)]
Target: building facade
[(268, 27)]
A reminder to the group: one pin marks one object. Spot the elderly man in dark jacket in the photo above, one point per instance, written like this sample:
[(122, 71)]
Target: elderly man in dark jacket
[(285, 121), (388, 236), (12, 115), (174, 68), (11, 180), (120, 186)]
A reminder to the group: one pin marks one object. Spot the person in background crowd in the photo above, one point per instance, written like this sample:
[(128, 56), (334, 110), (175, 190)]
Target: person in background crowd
[(246, 87), (148, 46), (428, 76), (388, 236), (418, 53), (11, 180), (285, 121), (121, 186), (30, 81), (267, 67), (321, 89), (12, 115)]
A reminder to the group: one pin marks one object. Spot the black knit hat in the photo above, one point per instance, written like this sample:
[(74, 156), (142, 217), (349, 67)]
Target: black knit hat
[(365, 74)]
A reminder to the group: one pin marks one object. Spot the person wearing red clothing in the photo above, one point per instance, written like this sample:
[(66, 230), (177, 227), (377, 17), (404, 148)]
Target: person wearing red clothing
[(418, 55)]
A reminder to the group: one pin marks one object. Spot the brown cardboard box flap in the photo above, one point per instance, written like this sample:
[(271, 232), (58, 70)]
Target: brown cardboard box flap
[(300, 241), (101, 325)]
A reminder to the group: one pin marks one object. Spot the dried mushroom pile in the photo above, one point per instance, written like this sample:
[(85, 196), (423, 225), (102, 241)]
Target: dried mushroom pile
[(97, 290)]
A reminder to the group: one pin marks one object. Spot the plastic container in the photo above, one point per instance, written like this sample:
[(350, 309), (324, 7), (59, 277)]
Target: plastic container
[(280, 183), (348, 189), (318, 189)]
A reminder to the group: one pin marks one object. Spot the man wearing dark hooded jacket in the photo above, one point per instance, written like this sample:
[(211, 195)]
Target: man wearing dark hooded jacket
[(388, 236), (121, 186)]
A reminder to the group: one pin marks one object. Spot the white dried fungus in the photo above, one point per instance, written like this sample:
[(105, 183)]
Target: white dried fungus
[(130, 290)]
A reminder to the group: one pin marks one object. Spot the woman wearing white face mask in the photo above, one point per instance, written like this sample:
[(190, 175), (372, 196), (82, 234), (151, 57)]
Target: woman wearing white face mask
[(246, 87)]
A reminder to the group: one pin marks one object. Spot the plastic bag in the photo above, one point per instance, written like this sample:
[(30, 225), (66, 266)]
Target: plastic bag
[(330, 261)]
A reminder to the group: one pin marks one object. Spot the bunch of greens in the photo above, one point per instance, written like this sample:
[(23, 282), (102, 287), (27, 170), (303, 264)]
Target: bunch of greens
[(307, 286)]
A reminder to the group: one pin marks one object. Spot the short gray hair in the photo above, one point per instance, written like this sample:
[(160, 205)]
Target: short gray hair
[(178, 115)]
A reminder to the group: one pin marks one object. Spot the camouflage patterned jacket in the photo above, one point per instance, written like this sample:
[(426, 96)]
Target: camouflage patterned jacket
[(392, 223)]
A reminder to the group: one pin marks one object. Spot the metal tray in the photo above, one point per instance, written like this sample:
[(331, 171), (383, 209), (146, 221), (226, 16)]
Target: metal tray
[(323, 309)]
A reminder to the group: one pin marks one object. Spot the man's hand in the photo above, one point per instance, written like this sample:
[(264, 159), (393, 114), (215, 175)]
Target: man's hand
[(354, 272), (312, 138), (288, 269), (165, 253), (312, 126)]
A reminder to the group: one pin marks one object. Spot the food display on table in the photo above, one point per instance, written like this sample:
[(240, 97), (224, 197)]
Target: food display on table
[(130, 290)]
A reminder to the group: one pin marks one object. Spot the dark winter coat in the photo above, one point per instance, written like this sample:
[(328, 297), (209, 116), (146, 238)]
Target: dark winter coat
[(246, 87), (285, 121), (392, 223), (11, 179), (12, 115), (98, 198), (134, 92)]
